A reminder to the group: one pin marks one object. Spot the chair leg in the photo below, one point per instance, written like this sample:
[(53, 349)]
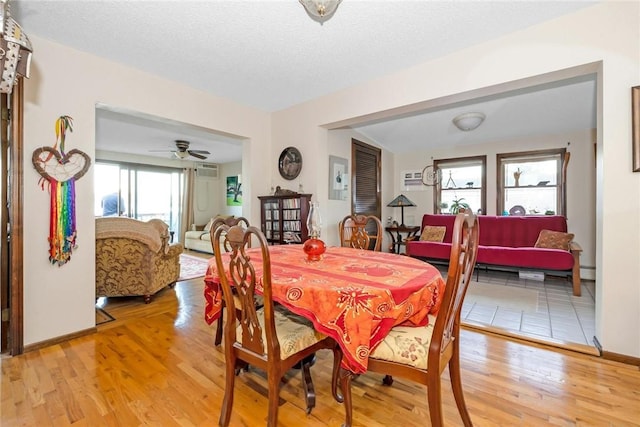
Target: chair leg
[(218, 339), (227, 402), (274, 399), (434, 397), (345, 384), (147, 299), (456, 386), (307, 385)]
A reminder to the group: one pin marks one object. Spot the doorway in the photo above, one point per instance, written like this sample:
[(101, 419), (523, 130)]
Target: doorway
[(389, 127)]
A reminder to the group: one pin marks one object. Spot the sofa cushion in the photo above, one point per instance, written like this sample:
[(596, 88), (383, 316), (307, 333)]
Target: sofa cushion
[(196, 235), (530, 257), (517, 231), (433, 233), (554, 240), (431, 250)]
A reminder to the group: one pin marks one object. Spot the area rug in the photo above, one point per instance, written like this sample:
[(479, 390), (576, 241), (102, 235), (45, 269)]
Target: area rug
[(192, 267), (509, 297), (102, 316)]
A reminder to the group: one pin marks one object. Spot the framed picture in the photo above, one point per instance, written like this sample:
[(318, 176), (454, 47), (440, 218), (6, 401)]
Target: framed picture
[(635, 126), (234, 191), (338, 178)]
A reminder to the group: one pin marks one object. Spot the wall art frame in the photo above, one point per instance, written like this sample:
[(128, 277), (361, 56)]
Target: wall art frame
[(635, 126), (338, 178), (234, 191)]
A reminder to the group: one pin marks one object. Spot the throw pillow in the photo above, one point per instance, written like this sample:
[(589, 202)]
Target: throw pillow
[(209, 224), (554, 240), (433, 233)]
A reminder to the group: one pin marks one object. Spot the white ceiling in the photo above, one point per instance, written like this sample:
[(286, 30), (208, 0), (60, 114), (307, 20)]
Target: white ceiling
[(270, 55)]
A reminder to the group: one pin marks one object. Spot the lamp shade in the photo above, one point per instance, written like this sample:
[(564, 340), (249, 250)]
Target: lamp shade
[(399, 201), (468, 121)]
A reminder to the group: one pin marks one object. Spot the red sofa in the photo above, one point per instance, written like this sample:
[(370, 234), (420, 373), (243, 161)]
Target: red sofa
[(507, 242)]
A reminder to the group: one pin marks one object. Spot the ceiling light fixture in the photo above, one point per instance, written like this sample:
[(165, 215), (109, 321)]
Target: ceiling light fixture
[(468, 121), (320, 10), (181, 154)]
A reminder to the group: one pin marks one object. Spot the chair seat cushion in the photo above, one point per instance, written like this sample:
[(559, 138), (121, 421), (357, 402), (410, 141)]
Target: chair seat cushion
[(295, 333), (259, 300), (406, 345)]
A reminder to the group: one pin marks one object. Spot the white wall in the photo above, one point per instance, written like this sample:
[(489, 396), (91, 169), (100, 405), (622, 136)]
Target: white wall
[(60, 300), (581, 181), (603, 38)]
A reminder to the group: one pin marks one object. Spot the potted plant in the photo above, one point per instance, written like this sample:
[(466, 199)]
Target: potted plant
[(458, 206)]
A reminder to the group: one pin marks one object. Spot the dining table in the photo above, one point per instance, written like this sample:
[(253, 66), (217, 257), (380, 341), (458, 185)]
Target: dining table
[(353, 295)]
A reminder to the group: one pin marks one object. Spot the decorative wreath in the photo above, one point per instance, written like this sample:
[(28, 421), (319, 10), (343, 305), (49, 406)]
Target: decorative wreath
[(61, 170), (430, 176)]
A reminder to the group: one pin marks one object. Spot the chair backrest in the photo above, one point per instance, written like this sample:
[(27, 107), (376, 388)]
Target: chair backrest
[(361, 232), (464, 249), (241, 273), (230, 222)]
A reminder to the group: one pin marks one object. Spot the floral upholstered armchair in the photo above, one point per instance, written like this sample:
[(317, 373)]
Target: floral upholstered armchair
[(134, 257)]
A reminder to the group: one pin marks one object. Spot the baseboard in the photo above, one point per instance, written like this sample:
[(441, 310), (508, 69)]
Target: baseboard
[(531, 338), (60, 339), (623, 358)]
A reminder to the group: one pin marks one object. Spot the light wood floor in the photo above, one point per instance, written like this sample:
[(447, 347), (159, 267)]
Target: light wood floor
[(156, 365)]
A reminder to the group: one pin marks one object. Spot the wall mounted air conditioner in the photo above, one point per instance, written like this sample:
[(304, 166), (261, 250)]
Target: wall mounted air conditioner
[(207, 170)]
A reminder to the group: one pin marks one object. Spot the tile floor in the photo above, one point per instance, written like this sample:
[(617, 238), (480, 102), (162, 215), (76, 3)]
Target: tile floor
[(560, 316)]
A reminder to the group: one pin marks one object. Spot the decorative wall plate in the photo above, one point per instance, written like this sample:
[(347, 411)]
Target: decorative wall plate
[(290, 163)]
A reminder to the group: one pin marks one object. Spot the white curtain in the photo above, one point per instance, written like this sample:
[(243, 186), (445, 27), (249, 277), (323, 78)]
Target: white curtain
[(188, 216)]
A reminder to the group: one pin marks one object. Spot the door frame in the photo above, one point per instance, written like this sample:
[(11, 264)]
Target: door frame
[(12, 241)]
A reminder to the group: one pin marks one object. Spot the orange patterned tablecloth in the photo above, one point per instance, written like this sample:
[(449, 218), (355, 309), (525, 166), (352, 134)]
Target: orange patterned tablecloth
[(352, 295)]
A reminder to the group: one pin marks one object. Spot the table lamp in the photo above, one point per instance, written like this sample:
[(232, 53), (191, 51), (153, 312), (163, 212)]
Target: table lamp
[(401, 201)]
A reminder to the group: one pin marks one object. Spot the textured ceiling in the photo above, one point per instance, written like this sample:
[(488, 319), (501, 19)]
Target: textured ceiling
[(269, 54)]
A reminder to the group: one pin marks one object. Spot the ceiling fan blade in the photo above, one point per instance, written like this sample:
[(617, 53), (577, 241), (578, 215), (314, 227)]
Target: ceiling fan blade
[(199, 151), (197, 155)]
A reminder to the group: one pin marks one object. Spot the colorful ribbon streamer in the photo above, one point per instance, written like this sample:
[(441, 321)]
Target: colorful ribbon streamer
[(62, 219)]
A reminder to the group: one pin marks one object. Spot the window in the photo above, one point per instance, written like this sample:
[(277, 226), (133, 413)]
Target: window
[(532, 183), (462, 181), (139, 191)]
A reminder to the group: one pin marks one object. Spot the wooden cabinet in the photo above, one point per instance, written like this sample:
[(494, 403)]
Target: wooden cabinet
[(283, 219)]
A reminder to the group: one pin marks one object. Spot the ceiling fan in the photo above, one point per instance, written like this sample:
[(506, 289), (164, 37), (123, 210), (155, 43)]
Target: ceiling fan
[(182, 151)]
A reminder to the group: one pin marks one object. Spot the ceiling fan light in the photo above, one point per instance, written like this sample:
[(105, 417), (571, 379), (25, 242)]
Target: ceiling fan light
[(181, 154), (320, 9), (468, 121)]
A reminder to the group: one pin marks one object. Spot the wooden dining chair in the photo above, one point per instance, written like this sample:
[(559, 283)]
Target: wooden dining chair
[(270, 338), (421, 353), (230, 222), (361, 232)]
